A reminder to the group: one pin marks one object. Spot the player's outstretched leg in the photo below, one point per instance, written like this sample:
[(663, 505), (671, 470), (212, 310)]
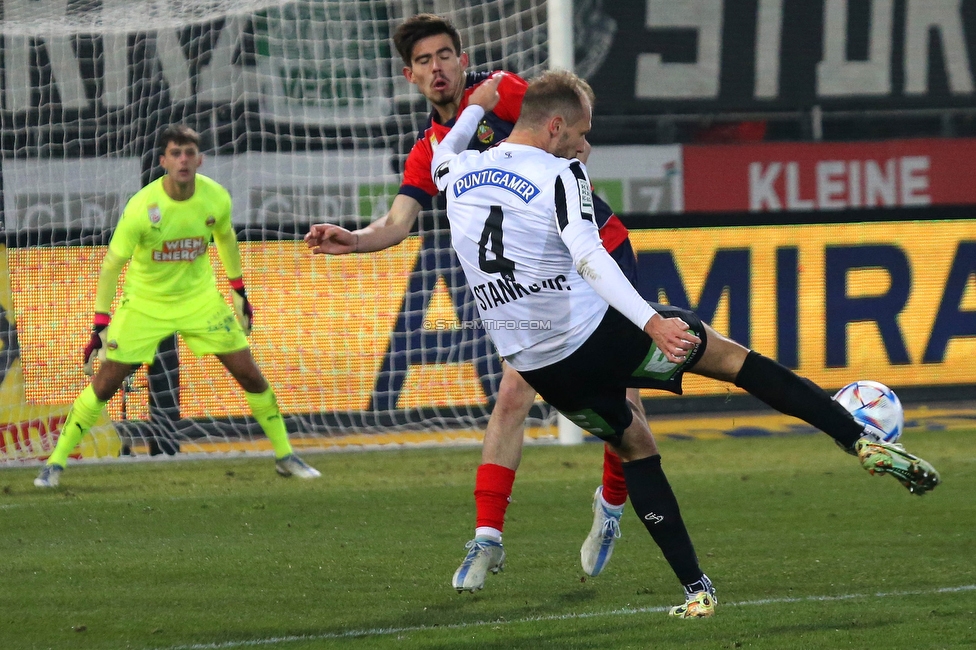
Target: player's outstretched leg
[(484, 555), (789, 393)]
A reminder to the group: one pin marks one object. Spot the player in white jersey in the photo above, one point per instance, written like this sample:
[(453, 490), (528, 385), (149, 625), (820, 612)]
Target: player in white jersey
[(522, 224), (484, 188), (430, 47)]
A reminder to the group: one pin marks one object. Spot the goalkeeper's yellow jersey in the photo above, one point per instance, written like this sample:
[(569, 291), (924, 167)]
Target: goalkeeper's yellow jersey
[(166, 241)]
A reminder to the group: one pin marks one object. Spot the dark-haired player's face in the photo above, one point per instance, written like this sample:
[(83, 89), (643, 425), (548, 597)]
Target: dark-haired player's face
[(437, 70), (181, 161)]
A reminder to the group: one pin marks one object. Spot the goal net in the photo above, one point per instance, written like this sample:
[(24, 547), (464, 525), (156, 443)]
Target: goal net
[(305, 118)]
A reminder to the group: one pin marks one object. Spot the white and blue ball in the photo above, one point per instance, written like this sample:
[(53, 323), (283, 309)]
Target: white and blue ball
[(875, 406)]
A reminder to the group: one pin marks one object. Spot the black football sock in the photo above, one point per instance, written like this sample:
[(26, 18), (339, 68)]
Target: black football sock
[(655, 504), (789, 393), (703, 584)]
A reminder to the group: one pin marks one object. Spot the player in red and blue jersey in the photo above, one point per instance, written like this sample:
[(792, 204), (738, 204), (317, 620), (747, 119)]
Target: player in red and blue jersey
[(430, 47), (493, 128)]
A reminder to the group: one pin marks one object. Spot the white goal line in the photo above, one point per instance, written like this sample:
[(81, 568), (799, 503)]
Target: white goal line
[(625, 611)]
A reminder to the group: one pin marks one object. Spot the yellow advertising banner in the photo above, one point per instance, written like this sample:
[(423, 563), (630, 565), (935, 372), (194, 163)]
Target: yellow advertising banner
[(322, 327), (28, 429), (893, 302)]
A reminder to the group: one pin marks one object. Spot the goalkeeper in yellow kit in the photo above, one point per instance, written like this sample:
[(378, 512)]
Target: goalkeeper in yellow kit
[(170, 287)]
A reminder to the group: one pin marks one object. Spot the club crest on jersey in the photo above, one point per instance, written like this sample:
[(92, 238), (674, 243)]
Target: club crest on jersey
[(485, 133), (210, 220), (155, 216), (517, 185)]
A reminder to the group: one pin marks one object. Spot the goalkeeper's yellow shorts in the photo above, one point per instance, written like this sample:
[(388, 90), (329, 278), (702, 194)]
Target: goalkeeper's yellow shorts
[(206, 323)]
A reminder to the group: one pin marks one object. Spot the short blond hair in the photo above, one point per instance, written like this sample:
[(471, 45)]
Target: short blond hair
[(555, 92)]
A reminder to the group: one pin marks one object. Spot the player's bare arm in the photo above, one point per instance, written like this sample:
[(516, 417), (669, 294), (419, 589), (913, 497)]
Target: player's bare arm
[(387, 231)]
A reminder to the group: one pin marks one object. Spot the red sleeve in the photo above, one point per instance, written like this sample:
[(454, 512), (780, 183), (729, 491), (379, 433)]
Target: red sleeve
[(511, 91), (613, 233), (416, 170)]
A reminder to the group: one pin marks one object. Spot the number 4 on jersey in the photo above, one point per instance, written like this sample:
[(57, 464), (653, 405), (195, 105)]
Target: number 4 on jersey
[(491, 240)]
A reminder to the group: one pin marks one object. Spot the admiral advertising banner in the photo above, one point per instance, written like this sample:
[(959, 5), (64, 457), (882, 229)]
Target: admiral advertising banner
[(892, 301), (756, 55), (328, 332)]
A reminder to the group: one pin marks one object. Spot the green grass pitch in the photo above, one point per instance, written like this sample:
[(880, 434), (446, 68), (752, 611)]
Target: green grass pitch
[(805, 548)]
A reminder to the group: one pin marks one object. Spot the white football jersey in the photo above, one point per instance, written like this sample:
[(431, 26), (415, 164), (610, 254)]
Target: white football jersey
[(507, 208)]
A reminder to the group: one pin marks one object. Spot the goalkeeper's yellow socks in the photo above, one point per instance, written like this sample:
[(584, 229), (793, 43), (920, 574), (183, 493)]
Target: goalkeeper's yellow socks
[(82, 417), (264, 408)]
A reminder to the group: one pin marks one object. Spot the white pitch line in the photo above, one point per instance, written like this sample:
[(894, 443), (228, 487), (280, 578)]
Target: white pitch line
[(626, 611)]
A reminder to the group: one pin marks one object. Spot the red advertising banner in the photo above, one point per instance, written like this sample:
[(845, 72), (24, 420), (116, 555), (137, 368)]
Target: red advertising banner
[(777, 177)]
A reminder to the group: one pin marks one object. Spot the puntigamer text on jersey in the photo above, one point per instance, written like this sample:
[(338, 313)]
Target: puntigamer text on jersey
[(517, 185)]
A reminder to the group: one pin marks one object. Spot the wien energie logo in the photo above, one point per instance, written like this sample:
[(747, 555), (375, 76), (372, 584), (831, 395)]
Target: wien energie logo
[(180, 250)]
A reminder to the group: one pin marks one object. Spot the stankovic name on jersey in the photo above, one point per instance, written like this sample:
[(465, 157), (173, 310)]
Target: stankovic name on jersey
[(517, 185), (502, 291)]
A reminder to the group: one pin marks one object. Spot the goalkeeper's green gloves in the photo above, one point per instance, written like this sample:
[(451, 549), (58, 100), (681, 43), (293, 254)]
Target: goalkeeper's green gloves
[(242, 306), (96, 344)]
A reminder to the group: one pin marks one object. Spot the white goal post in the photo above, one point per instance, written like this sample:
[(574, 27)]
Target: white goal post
[(305, 117)]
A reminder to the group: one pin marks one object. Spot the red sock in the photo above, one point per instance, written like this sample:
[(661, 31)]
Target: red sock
[(492, 492), (614, 485)]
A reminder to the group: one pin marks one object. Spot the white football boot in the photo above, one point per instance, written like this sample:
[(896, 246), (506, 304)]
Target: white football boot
[(484, 555), (598, 545), (292, 465), (49, 477)]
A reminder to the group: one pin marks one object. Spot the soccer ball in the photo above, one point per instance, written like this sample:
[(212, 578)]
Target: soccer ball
[(875, 406)]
